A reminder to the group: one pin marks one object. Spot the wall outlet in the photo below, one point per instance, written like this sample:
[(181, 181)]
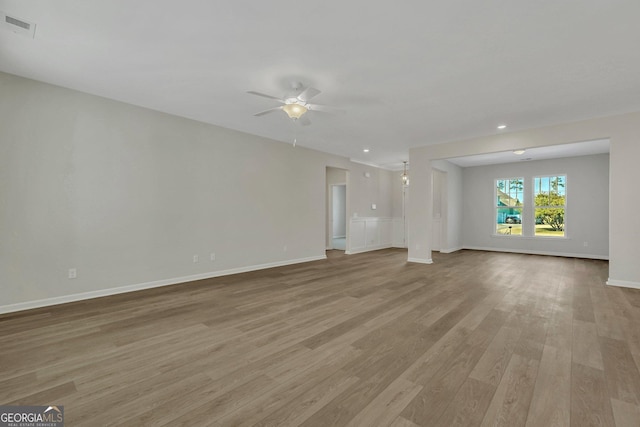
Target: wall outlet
[(196, 258), (212, 257), (284, 248), (373, 206), (73, 273), (586, 244)]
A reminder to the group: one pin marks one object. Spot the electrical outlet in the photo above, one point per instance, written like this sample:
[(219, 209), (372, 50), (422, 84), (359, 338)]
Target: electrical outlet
[(213, 256), (73, 273), (284, 248), (196, 258), (586, 244)]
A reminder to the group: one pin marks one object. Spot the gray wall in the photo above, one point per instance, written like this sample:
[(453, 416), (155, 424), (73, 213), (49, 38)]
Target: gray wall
[(587, 211), (128, 195), (454, 210), (622, 130), (339, 213)]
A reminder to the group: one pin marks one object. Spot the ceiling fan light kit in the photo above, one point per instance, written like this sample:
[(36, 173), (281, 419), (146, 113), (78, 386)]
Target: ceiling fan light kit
[(294, 110), (295, 106)]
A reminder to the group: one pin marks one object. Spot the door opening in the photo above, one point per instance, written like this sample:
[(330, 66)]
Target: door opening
[(439, 218), (339, 216), (337, 226)]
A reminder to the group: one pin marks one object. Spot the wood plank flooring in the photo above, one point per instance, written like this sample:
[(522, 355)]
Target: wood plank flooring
[(475, 339)]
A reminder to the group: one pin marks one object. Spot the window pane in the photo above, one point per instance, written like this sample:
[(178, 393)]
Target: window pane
[(541, 185), (556, 191), (550, 222), (502, 196), (509, 192), (509, 221)]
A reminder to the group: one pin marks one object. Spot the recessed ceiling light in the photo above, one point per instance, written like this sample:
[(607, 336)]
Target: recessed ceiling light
[(519, 152), (366, 150), (502, 126)]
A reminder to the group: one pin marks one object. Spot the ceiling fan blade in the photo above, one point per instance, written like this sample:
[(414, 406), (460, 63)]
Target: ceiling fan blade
[(308, 93), (270, 110), (325, 109), (264, 95), (304, 121)]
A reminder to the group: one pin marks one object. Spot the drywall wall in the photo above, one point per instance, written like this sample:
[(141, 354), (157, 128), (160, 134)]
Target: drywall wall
[(334, 176), (127, 196), (623, 131), (454, 210), (587, 211), (397, 190), (366, 186), (339, 205)]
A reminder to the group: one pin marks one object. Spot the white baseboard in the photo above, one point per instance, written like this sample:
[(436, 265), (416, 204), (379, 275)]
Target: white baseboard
[(420, 260), (451, 250), (549, 253), (147, 285), (623, 283), (366, 249)]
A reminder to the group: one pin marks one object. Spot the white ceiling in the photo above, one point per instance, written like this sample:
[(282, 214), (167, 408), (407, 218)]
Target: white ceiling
[(407, 73), (586, 148)]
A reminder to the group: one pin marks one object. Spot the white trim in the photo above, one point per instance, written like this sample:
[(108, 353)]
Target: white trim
[(623, 283), (450, 250), (420, 260), (550, 253), (147, 285), (521, 237), (367, 249)]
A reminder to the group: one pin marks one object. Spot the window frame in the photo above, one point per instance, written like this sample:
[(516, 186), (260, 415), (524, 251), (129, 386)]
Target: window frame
[(534, 206), (520, 207)]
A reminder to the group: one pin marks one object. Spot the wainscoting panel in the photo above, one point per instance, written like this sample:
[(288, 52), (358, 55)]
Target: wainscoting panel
[(370, 234)]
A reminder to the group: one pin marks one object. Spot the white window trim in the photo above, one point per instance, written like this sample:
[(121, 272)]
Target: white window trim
[(533, 206), (528, 210), (495, 207)]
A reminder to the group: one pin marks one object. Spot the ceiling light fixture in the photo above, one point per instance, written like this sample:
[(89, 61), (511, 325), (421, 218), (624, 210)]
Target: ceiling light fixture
[(405, 177), (502, 127), (519, 152), (294, 111), (366, 150)]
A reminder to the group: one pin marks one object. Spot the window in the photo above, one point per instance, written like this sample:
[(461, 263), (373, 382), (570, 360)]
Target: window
[(509, 197), (550, 194)]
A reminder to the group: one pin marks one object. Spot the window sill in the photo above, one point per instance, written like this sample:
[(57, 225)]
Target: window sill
[(518, 236)]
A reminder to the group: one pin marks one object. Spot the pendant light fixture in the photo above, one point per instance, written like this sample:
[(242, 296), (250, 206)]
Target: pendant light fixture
[(405, 177)]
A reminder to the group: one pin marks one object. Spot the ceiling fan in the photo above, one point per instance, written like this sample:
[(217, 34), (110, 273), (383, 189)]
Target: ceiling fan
[(296, 106)]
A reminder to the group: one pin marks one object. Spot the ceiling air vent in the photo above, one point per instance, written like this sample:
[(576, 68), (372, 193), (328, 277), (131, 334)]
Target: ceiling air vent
[(18, 26)]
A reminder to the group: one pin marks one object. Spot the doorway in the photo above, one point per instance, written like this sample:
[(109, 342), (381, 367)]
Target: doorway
[(439, 218), (339, 216), (337, 228)]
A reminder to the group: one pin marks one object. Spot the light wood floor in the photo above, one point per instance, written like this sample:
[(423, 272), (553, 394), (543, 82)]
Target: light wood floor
[(477, 338)]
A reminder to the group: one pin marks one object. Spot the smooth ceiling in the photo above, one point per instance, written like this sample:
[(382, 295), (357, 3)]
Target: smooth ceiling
[(407, 73), (585, 148)]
